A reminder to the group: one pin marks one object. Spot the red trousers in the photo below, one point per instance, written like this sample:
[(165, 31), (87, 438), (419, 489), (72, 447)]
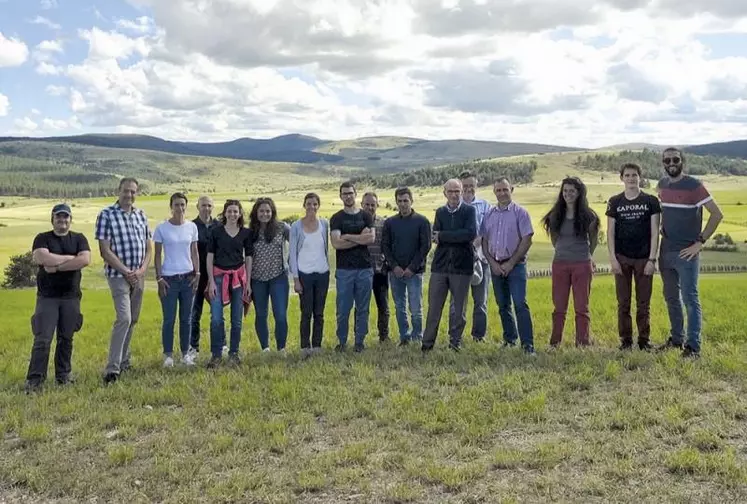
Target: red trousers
[(567, 276)]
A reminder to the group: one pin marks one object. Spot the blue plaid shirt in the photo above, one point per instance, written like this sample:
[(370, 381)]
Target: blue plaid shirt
[(127, 233)]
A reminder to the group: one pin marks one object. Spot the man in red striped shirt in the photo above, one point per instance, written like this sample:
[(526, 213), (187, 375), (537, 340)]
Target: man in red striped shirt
[(682, 200)]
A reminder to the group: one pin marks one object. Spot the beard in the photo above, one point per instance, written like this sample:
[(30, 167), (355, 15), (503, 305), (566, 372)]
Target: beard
[(674, 170)]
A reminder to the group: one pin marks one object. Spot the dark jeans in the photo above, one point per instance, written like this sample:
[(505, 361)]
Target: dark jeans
[(408, 291), (264, 292), (217, 322), (632, 270), (514, 288), (178, 296), (680, 279), (50, 315), (353, 286), (439, 287), (381, 296), (312, 299), (199, 301), (480, 305)]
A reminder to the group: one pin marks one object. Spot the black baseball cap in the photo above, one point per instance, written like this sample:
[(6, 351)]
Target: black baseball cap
[(62, 208)]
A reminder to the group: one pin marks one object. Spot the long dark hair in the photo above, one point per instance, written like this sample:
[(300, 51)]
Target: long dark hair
[(228, 203), (273, 227), (583, 217)]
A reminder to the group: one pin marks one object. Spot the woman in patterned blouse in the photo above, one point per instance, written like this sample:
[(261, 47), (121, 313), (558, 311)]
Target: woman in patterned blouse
[(269, 278)]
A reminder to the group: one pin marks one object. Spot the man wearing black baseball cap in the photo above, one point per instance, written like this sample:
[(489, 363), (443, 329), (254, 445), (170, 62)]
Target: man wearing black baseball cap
[(60, 254)]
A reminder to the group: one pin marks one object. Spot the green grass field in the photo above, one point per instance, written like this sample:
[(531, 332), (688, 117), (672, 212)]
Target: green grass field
[(486, 425)]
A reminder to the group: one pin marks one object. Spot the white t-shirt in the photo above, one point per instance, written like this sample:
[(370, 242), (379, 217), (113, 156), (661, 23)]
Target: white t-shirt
[(177, 243), (311, 257)]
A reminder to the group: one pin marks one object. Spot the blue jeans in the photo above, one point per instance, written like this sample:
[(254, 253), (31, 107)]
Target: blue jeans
[(353, 286), (514, 287), (178, 293), (408, 291), (277, 291), (480, 305), (680, 279), (217, 322)]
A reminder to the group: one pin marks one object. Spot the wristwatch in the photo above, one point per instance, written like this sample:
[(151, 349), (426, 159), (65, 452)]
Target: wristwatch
[(652, 260), (701, 239)]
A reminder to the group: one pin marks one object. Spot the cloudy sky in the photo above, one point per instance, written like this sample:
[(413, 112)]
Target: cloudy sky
[(572, 72)]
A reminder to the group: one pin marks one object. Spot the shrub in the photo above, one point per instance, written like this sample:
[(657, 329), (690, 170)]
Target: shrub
[(290, 219), (20, 272)]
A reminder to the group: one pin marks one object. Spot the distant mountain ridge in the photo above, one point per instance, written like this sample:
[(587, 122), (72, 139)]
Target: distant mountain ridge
[(384, 153), (733, 149)]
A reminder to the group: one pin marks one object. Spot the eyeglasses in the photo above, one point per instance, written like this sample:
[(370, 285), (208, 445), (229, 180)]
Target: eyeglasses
[(347, 194), (671, 160)]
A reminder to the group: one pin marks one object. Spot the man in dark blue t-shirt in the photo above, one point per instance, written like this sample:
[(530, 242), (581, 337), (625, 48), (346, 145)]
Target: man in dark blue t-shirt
[(351, 232), (60, 254)]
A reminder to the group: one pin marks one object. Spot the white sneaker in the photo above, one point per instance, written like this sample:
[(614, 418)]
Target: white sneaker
[(168, 362), (266, 349), (194, 353), (225, 350), (188, 360), (282, 353)]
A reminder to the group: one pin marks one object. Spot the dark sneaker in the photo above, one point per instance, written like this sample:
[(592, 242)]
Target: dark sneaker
[(645, 346), (425, 349), (359, 348), (214, 362), (125, 366), (33, 387), (508, 344), (110, 378), (384, 339), (234, 360), (340, 348), (626, 346), (416, 340), (404, 343), (669, 345), (689, 353), (65, 380), (478, 339), (529, 350), (455, 347)]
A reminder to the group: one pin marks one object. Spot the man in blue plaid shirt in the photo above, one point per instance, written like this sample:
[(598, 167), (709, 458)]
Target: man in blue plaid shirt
[(125, 243)]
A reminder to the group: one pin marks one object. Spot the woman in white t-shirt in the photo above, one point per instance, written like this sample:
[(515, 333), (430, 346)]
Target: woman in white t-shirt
[(178, 274), (309, 265)]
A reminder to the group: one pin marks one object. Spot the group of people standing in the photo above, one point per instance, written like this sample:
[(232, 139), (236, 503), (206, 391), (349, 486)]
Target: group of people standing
[(231, 264)]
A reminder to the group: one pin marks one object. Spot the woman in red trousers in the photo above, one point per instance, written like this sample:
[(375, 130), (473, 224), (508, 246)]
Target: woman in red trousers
[(574, 230)]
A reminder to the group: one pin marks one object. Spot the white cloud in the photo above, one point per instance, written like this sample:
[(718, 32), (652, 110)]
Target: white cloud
[(25, 125), (141, 25), (50, 46), (13, 52), (571, 72), (53, 90), (49, 4), (41, 20), (103, 45), (44, 68), (4, 105)]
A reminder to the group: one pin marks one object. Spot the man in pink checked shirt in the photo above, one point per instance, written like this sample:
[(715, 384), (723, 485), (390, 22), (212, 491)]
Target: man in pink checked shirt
[(506, 237)]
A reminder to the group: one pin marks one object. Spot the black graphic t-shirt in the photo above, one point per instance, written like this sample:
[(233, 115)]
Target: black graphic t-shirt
[(633, 223)]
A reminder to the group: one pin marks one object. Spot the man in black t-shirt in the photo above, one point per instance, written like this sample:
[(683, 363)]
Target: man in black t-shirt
[(204, 222), (351, 232), (633, 219), (60, 254)]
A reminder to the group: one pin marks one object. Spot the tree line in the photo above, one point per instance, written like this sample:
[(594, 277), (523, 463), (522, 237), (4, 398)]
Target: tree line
[(650, 162), (518, 172)]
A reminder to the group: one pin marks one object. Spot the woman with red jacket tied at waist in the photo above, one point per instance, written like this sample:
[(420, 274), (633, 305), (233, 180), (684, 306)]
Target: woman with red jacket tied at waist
[(229, 267)]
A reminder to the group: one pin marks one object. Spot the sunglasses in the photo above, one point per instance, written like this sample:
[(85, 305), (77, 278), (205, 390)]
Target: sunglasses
[(671, 160)]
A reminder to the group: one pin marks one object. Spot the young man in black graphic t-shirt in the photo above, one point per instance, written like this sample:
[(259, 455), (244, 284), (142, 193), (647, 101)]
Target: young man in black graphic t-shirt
[(633, 219)]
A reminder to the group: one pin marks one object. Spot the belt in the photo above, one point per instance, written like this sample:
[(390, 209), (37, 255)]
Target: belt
[(180, 276)]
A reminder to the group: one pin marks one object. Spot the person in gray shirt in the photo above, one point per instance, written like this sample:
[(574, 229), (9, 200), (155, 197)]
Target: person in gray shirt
[(574, 231)]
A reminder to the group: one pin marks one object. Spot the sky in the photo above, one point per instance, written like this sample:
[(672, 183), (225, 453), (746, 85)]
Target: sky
[(578, 73)]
